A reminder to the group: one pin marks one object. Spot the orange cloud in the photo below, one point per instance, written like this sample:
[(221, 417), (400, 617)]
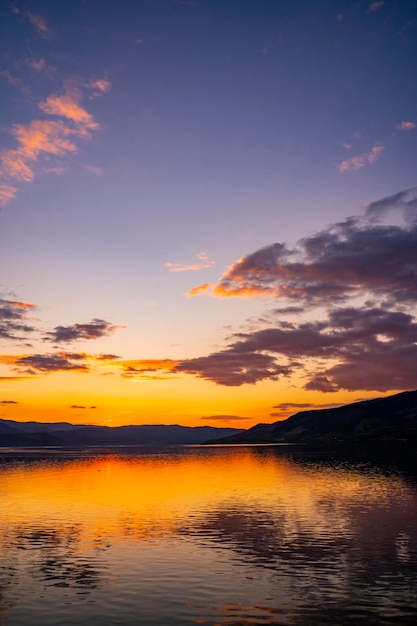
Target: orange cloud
[(357, 162), (197, 291), (45, 137), (38, 138)]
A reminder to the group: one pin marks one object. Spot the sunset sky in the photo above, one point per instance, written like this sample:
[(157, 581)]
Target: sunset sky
[(209, 208)]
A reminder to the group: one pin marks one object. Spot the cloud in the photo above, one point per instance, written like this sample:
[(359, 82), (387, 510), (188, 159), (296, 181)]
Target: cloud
[(14, 319), (41, 67), (8, 402), (197, 291), (68, 106), (80, 406), (357, 162), (46, 363), (232, 368), (146, 369), (100, 86), (96, 329), (284, 406), (203, 263), (7, 193), (39, 138), (406, 126), (13, 379), (39, 23), (360, 274), (45, 138), (225, 418), (375, 6), (351, 258), (93, 169)]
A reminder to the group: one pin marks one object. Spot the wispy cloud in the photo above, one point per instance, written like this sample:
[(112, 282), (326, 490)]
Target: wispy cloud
[(68, 106), (96, 329), (146, 369), (203, 262), (7, 193), (14, 318), (80, 406), (93, 169), (375, 6), (8, 402), (39, 23), (100, 86), (41, 139), (225, 418), (357, 162), (406, 126)]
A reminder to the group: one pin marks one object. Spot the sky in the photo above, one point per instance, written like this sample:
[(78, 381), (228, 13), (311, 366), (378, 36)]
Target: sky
[(208, 208)]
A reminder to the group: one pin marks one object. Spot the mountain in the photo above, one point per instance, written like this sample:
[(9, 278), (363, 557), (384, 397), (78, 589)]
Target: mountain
[(391, 418), (18, 434)]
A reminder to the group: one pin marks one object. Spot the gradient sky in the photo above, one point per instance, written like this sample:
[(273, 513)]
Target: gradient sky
[(209, 208)]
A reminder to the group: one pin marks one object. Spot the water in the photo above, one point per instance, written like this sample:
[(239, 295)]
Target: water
[(212, 535)]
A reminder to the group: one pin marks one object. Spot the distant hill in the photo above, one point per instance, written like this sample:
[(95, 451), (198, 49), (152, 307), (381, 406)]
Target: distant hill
[(18, 434), (391, 418)]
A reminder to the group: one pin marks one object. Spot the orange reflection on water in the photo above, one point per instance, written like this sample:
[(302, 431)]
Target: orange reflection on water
[(140, 496)]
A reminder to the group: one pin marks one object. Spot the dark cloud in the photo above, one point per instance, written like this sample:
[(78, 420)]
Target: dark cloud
[(233, 368), (355, 257), (80, 406), (8, 402), (94, 330), (14, 319), (354, 348), (284, 406), (45, 363), (225, 418)]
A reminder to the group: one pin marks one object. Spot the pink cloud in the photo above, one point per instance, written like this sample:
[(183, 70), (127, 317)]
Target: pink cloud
[(375, 6), (357, 162), (406, 126), (39, 23), (203, 263)]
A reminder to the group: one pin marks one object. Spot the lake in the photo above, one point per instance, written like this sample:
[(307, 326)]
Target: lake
[(207, 535)]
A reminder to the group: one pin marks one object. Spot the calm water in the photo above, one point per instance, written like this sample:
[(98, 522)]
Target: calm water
[(262, 535)]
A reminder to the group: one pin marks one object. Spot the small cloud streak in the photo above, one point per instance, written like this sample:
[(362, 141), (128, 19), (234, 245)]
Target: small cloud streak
[(80, 406), (225, 418), (8, 402), (203, 263), (96, 329), (39, 23), (93, 169), (406, 126), (375, 6), (7, 193), (357, 162)]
